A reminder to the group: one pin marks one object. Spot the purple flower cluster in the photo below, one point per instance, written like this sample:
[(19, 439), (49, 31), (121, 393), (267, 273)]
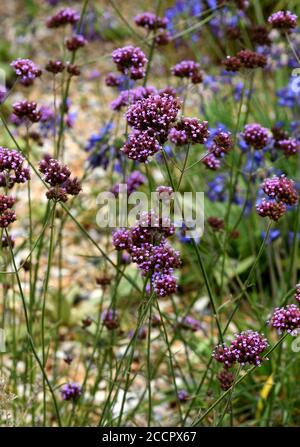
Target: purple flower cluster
[(27, 111), (131, 61), (283, 20), (55, 67), (75, 42), (154, 113), (246, 347), (226, 379), (141, 145), (256, 136), (66, 16), (188, 69), (110, 319), (245, 59), (7, 215), (211, 162), (26, 70), (146, 243), (189, 131), (297, 294), (71, 391), (286, 319), (150, 21), (11, 168), (289, 146), (57, 176), (222, 144), (282, 189), (272, 209)]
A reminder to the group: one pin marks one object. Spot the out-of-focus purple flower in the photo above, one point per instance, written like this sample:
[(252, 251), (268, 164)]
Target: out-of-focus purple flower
[(66, 16), (55, 67), (110, 319), (210, 161), (226, 379), (289, 146), (75, 42), (188, 69), (150, 21), (183, 396), (286, 319), (283, 20), (130, 61), (71, 391), (256, 136), (26, 70)]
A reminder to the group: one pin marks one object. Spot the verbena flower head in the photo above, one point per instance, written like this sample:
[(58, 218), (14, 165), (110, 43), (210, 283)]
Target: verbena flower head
[(155, 113), (66, 16), (283, 20), (27, 110), (147, 247), (246, 347), (286, 319), (11, 168), (289, 146), (26, 70), (232, 63), (75, 42), (210, 161), (190, 131), (71, 391), (251, 59), (133, 182), (164, 38), (54, 172), (112, 80), (223, 354), (164, 283), (260, 35), (57, 176), (110, 319), (141, 145), (270, 208), (188, 69), (282, 189), (226, 379), (222, 143), (256, 136), (215, 223), (7, 215), (150, 21), (297, 294), (55, 67), (130, 61)]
